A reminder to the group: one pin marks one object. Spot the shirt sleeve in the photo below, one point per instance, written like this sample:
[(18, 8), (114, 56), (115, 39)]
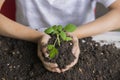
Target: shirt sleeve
[(106, 3)]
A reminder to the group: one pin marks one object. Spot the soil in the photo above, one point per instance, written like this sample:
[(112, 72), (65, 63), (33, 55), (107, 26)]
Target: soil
[(64, 56), (19, 61)]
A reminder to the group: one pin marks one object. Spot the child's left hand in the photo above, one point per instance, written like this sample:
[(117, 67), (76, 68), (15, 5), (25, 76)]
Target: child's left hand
[(75, 51)]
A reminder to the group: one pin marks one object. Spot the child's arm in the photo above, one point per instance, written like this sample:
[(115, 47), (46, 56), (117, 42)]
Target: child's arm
[(108, 22), (12, 29)]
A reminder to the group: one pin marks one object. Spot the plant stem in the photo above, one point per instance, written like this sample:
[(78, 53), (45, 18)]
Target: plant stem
[(58, 39), (55, 42)]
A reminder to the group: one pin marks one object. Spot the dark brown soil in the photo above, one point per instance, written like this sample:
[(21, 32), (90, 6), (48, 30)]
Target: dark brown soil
[(64, 56), (19, 61)]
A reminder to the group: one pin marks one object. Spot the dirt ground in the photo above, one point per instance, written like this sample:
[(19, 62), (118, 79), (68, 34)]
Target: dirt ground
[(19, 61)]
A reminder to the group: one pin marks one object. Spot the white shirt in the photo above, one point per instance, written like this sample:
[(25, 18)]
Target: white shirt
[(40, 14)]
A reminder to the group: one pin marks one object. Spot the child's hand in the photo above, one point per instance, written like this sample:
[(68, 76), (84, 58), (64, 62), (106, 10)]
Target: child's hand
[(42, 51), (75, 51)]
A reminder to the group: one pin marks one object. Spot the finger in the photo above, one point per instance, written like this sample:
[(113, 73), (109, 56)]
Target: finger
[(52, 65), (57, 70), (63, 70), (77, 53), (46, 63), (74, 49), (44, 43), (53, 69), (75, 45), (70, 66), (44, 50), (75, 42)]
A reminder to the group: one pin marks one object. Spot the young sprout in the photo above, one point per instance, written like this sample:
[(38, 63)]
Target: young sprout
[(60, 33)]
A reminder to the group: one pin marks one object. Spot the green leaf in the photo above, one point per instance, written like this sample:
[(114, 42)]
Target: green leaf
[(53, 53), (63, 35), (59, 27), (50, 46), (55, 32), (68, 39), (49, 30), (69, 28), (54, 27)]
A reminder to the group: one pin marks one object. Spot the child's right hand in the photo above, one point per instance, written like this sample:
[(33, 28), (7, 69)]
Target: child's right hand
[(42, 51)]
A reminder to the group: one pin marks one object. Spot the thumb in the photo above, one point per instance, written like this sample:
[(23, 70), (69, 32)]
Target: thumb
[(43, 44), (75, 45)]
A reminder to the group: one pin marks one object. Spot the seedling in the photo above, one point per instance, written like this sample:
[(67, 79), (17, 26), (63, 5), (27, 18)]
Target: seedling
[(60, 33)]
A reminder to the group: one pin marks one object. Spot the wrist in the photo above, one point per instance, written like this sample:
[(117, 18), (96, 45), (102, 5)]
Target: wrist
[(75, 33), (40, 35)]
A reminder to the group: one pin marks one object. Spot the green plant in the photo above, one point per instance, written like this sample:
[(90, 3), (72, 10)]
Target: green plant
[(60, 33)]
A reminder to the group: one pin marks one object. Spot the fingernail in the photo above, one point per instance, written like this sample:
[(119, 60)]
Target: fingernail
[(56, 65), (46, 54), (58, 70), (62, 70), (73, 51)]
